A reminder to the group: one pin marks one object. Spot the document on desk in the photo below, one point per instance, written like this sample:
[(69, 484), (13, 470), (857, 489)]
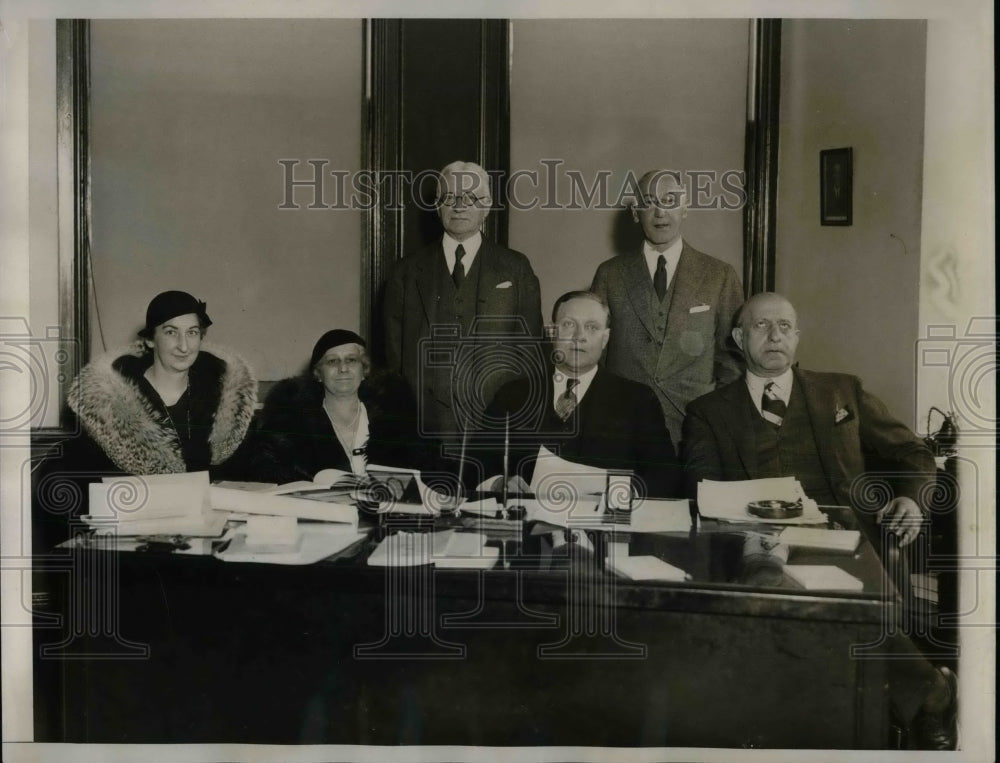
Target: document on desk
[(244, 502), (645, 568), (316, 541), (652, 515), (157, 504), (823, 577), (728, 501), (557, 478), (446, 549), (821, 539)]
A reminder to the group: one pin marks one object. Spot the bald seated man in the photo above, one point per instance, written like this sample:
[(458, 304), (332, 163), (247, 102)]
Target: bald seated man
[(779, 420), (453, 282), (672, 306)]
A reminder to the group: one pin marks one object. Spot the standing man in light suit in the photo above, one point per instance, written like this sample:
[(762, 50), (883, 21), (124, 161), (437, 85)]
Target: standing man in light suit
[(672, 306), (469, 288)]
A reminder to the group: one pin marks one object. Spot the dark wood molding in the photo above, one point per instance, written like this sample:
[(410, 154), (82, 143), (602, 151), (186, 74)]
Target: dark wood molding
[(494, 120), (414, 120), (73, 184), (761, 157), (382, 150)]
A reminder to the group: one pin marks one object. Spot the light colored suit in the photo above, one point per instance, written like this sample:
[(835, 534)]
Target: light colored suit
[(694, 355)]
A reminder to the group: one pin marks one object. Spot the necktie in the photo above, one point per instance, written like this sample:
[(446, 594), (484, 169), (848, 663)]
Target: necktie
[(567, 401), (660, 278), (772, 407), (458, 274)]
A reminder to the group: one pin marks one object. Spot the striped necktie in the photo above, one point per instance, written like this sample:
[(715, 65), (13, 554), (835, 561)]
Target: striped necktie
[(772, 407), (567, 401)]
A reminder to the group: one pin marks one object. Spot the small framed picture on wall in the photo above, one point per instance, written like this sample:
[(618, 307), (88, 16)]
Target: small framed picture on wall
[(836, 197)]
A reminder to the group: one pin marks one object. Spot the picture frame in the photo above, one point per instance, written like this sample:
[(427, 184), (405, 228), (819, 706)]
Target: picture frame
[(836, 186)]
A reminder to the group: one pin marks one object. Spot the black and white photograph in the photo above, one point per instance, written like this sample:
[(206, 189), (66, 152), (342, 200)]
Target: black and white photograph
[(444, 381)]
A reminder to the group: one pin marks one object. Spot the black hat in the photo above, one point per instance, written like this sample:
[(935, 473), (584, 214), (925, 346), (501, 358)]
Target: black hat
[(331, 339), (170, 304)]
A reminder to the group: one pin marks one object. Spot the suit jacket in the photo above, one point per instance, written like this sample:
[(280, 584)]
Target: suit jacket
[(854, 432), (617, 425), (411, 313), (695, 355)]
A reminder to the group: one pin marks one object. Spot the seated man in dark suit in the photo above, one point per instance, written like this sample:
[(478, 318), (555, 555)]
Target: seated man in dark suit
[(780, 421), (582, 412)]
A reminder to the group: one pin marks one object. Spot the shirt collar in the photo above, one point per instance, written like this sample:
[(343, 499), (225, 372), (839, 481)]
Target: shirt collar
[(559, 382), (672, 254), (471, 246), (782, 384)]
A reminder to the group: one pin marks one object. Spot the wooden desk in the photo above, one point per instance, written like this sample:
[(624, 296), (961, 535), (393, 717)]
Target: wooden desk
[(322, 654)]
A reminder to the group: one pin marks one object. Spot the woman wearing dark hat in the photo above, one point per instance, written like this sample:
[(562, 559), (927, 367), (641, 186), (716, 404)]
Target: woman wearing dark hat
[(166, 405), (337, 414), (163, 405)]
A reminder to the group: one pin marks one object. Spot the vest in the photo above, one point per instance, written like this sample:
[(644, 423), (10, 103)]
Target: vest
[(790, 450), (458, 305), (658, 311)]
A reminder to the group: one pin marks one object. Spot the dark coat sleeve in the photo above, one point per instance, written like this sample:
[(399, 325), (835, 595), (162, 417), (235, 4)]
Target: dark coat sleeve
[(727, 364), (656, 460), (394, 438), (888, 443), (529, 298), (700, 449), (60, 489)]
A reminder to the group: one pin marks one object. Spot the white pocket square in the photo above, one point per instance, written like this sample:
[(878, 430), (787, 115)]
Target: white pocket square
[(504, 285), (700, 308)]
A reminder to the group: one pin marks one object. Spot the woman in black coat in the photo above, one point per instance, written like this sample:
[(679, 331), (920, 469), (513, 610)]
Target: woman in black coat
[(338, 414), (164, 405)]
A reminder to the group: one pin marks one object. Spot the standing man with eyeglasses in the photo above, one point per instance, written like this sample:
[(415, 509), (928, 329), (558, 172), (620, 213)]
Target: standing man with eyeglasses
[(672, 306), (471, 295)]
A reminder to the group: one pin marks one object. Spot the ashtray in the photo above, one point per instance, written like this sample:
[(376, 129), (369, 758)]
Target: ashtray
[(775, 509)]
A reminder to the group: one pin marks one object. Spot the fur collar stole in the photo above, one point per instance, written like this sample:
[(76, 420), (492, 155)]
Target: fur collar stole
[(118, 416)]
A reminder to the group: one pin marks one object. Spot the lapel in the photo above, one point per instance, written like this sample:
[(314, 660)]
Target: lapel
[(821, 408), (639, 287), (491, 272), (594, 405), (429, 269), (738, 416), (686, 282)]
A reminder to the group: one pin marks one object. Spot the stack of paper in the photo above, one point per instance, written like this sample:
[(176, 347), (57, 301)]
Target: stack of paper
[(225, 500), (563, 480), (316, 541), (652, 515), (447, 549), (821, 539), (644, 568), (728, 500), (157, 504), (823, 577)]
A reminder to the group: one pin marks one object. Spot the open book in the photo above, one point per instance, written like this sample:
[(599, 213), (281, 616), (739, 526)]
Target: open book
[(380, 485)]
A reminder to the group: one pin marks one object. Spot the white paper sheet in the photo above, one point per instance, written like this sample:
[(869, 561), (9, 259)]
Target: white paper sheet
[(241, 501), (557, 478), (823, 577), (821, 539), (317, 542), (144, 497), (645, 568), (659, 516), (728, 500)]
